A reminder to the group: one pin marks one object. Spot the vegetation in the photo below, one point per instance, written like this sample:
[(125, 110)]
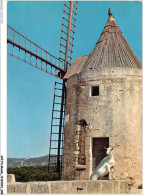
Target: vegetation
[(26, 174)]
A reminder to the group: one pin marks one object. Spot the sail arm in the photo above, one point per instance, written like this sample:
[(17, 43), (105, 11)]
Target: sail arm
[(24, 49)]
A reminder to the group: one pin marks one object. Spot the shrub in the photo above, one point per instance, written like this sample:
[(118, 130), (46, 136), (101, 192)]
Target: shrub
[(26, 174)]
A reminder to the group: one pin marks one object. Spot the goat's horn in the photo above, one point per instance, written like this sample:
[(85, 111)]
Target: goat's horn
[(105, 148)]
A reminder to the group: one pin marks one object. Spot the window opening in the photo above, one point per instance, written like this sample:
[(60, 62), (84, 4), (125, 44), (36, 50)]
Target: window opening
[(95, 91)]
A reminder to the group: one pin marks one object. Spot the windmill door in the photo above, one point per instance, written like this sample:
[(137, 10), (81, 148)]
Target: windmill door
[(98, 151)]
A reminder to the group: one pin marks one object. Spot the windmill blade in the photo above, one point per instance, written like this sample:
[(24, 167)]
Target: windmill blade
[(66, 50), (68, 32), (24, 49), (57, 129)]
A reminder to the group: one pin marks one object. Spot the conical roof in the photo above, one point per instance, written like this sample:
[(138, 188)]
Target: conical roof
[(112, 49)]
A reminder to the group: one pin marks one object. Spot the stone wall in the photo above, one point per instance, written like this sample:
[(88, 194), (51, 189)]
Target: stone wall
[(54, 187), (81, 155), (116, 113)]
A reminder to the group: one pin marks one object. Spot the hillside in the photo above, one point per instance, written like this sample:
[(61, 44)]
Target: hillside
[(21, 162)]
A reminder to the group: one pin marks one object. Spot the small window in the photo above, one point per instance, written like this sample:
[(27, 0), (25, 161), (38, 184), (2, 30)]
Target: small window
[(95, 91)]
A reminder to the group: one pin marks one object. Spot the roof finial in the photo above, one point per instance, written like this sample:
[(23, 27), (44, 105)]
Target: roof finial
[(109, 12), (111, 18)]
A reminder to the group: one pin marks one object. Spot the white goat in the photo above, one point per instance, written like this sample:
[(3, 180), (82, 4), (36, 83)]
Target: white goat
[(105, 166)]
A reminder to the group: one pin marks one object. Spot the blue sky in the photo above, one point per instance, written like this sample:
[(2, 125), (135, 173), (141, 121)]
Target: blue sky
[(29, 90)]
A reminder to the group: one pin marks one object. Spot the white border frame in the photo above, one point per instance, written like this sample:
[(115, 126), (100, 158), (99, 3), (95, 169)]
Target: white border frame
[(3, 83), (3, 93)]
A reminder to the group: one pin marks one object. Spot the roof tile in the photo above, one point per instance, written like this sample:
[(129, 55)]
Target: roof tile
[(111, 50)]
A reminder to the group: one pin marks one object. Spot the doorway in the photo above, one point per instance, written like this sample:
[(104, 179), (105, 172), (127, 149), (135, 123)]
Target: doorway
[(98, 151)]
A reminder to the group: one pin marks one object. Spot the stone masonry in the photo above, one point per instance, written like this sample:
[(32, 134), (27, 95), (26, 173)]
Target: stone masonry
[(116, 113), (70, 187)]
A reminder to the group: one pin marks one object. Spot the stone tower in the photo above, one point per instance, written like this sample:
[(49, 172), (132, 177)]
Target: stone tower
[(104, 108)]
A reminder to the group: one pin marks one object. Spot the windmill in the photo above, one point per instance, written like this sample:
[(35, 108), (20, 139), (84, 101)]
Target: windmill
[(24, 49)]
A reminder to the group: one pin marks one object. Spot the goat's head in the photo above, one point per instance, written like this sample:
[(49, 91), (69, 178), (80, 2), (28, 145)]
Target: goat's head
[(109, 150)]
